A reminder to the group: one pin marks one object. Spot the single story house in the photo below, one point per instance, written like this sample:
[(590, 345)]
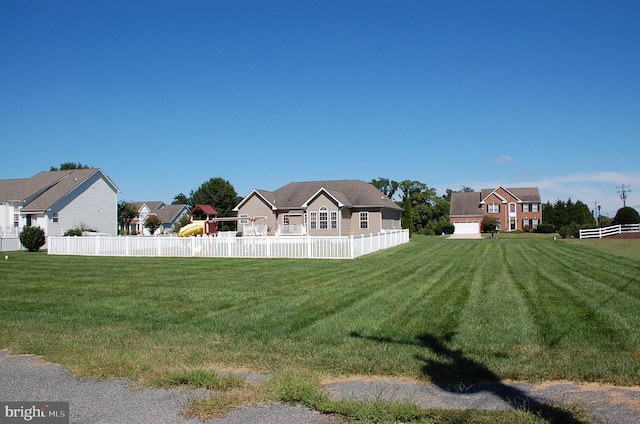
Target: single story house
[(514, 208), (320, 208), (57, 201), (167, 214)]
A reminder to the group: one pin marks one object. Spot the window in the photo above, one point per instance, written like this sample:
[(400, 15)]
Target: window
[(334, 220), (313, 224), (534, 207), (55, 217), (525, 207), (493, 208), (285, 219), (525, 223), (244, 221), (324, 218), (16, 220), (364, 220), (534, 223), (512, 207)]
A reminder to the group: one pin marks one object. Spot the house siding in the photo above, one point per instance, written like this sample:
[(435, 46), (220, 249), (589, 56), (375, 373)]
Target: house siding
[(324, 201), (7, 212), (96, 206), (375, 222), (255, 206), (345, 198)]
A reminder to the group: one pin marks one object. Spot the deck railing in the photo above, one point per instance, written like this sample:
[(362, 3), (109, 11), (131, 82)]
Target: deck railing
[(228, 247), (609, 231)]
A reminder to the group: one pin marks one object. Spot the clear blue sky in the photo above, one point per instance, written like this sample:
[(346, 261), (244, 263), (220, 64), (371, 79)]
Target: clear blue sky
[(164, 95)]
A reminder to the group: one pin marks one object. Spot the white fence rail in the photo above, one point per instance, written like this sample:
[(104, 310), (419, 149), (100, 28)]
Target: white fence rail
[(228, 247), (8, 244), (609, 231)]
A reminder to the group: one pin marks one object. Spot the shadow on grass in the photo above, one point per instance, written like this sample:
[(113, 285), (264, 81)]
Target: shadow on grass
[(454, 372)]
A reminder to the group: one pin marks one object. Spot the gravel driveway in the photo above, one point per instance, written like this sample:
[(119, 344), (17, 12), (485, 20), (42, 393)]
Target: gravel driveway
[(27, 378)]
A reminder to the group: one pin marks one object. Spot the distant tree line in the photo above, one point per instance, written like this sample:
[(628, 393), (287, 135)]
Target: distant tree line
[(566, 218), (424, 212)]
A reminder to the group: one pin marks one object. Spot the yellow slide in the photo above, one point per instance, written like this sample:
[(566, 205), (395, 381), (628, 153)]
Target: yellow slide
[(192, 229)]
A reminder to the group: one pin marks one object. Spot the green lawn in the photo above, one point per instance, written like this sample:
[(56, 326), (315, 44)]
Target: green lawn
[(533, 309), (437, 310)]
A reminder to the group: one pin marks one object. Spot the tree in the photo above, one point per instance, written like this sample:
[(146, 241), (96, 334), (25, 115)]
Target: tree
[(411, 189), (220, 194), (562, 214), (626, 215), (184, 220), (70, 165), (33, 238), (152, 223), (126, 213), (387, 186), (407, 216), (489, 223), (180, 199)]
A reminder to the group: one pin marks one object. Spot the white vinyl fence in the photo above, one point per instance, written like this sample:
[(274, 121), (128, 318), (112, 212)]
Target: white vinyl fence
[(228, 247), (10, 243), (609, 231)]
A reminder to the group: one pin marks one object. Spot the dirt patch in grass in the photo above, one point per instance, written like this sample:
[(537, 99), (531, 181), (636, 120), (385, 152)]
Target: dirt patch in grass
[(626, 236)]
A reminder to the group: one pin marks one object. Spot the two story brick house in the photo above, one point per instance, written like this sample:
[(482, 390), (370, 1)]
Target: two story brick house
[(514, 208)]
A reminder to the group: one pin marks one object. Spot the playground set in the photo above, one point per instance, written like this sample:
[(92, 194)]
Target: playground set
[(204, 221)]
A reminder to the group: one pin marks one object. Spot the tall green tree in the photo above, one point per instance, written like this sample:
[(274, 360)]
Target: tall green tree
[(564, 213), (70, 165), (220, 194), (126, 213), (180, 199), (407, 216), (387, 186)]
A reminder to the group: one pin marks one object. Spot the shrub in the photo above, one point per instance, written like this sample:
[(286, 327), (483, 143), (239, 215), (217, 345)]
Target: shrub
[(489, 223), (79, 230), (152, 223), (73, 232), (626, 215), (448, 228), (546, 228), (32, 238)]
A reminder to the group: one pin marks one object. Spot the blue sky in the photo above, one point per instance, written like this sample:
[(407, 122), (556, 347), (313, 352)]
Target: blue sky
[(164, 95)]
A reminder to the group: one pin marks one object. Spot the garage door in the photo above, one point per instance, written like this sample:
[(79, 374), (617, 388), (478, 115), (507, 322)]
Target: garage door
[(466, 227)]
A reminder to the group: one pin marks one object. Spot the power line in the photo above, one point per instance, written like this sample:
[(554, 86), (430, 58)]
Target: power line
[(623, 193)]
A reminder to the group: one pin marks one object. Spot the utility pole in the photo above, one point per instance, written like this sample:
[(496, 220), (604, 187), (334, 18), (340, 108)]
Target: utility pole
[(623, 193)]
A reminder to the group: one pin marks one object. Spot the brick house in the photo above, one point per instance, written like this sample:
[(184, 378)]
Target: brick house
[(514, 208)]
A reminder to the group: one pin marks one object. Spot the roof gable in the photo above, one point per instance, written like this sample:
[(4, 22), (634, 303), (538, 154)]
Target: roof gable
[(203, 210), (348, 193), (43, 190), (264, 195), (519, 195), (333, 196)]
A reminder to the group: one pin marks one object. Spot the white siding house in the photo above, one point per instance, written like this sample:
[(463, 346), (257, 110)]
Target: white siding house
[(57, 201)]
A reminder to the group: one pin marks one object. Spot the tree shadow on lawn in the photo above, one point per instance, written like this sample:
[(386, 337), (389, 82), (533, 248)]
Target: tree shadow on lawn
[(456, 373)]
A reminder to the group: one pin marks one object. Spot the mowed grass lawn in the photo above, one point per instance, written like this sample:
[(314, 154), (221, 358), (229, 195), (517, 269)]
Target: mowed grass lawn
[(436, 310)]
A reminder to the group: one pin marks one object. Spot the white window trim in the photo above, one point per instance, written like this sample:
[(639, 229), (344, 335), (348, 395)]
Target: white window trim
[(364, 221)]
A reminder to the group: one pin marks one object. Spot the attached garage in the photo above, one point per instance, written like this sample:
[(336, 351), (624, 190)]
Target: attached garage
[(467, 227)]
